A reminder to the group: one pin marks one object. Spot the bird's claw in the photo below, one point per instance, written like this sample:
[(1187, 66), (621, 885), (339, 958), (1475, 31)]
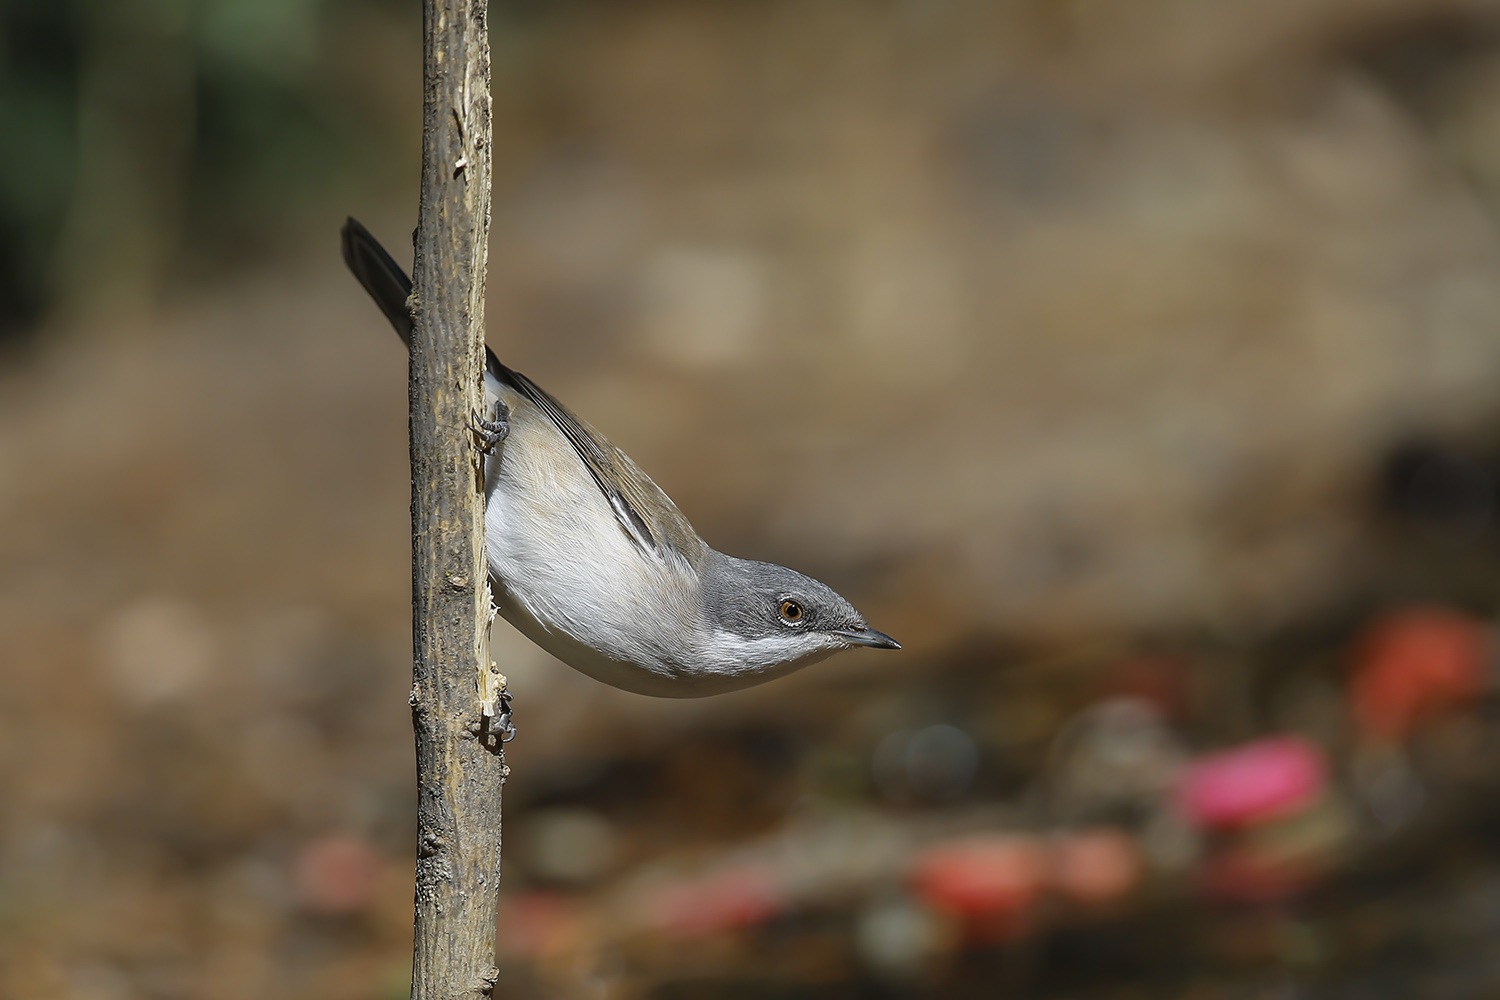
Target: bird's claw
[(502, 723), (492, 431)]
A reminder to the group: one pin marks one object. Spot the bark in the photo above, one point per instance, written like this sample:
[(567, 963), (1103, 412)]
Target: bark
[(460, 764)]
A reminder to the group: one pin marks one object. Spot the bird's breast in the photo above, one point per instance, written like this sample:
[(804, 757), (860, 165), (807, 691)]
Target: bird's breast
[(567, 574)]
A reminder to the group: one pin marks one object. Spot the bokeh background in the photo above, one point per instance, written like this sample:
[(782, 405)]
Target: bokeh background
[(1136, 365)]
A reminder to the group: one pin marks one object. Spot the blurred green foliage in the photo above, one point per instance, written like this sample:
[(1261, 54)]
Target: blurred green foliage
[(150, 141), (38, 105)]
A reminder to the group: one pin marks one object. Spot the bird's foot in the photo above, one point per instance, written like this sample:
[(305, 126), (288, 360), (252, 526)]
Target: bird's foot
[(492, 431), (502, 723)]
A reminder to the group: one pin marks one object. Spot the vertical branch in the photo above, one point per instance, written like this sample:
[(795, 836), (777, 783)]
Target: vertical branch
[(459, 764)]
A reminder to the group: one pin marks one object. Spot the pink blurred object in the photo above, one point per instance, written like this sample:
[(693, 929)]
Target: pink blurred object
[(337, 874), (988, 881), (1095, 866), (728, 900), (1261, 781), (1415, 663)]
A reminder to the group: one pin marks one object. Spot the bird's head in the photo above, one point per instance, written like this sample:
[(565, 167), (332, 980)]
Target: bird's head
[(762, 616)]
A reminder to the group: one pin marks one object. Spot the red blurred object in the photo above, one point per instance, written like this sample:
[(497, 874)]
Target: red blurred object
[(1414, 664), (337, 874), (732, 899), (989, 882), (1157, 678), (1242, 875), (536, 924), (1095, 866), (1261, 781)]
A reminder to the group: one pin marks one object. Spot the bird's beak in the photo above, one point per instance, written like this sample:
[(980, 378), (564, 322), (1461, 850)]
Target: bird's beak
[(868, 637)]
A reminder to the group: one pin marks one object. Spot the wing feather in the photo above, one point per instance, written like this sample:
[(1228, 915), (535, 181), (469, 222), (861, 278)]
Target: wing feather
[(646, 513)]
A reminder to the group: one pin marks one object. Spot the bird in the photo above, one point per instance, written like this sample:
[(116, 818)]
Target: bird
[(592, 561)]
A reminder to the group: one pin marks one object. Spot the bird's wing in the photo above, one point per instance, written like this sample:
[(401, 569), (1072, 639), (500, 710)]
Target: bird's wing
[(646, 513)]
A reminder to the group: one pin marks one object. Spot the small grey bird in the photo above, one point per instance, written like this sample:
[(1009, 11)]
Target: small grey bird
[(594, 563)]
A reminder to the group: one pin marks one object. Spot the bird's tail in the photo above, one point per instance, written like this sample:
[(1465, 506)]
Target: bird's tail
[(381, 276)]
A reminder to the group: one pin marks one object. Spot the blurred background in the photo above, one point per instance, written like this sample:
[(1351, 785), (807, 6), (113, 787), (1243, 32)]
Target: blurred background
[(1136, 365)]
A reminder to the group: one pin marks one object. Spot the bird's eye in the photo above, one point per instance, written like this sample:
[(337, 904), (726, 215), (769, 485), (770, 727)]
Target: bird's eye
[(791, 611)]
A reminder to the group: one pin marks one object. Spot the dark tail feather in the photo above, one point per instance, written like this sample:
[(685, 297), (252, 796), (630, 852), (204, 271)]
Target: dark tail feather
[(381, 276), (389, 286)]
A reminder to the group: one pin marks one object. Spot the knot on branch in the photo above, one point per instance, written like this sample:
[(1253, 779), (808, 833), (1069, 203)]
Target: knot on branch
[(430, 843), (484, 986)]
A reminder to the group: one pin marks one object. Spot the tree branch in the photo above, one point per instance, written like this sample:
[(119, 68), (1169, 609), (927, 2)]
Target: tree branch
[(460, 766)]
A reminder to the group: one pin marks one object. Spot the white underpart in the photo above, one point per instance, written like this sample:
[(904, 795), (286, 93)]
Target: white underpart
[(571, 579), (727, 654)]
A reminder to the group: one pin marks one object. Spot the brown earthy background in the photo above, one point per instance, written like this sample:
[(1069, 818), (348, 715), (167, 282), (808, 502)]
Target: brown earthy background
[(1136, 365)]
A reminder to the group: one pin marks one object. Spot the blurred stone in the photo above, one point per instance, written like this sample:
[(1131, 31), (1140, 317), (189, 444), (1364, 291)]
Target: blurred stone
[(337, 874), (571, 846), (1387, 785), (1114, 755), (1312, 837), (935, 763), (828, 857), (158, 649), (897, 938), (1171, 844)]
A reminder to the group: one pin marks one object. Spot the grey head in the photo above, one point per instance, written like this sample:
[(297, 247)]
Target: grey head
[(764, 616)]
